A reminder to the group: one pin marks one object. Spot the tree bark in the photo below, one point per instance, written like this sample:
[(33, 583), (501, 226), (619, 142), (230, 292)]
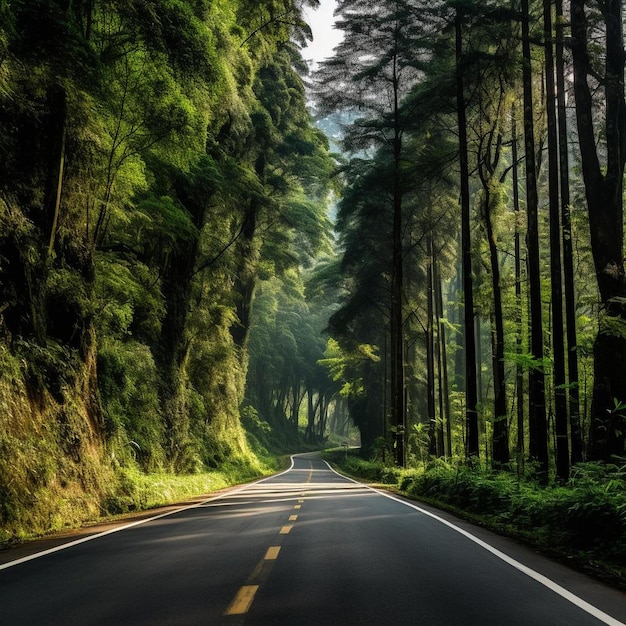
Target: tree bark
[(500, 444), (444, 397), (603, 191), (398, 408), (433, 439), (519, 370), (556, 282), (537, 423), (568, 255), (471, 394)]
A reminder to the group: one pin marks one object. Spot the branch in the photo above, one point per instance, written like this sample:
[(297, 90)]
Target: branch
[(222, 252), (264, 25)]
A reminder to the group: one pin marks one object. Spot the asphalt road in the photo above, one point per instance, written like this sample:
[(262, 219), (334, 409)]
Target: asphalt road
[(304, 547)]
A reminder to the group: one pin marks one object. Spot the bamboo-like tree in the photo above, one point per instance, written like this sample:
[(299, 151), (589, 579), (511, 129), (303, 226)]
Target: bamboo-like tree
[(556, 281), (537, 423)]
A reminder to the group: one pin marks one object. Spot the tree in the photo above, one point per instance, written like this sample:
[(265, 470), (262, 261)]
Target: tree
[(381, 55), (537, 424), (603, 179), (568, 260), (471, 392), (556, 281), (153, 155)]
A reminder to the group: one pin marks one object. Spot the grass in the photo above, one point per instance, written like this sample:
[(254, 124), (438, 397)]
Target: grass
[(132, 491)]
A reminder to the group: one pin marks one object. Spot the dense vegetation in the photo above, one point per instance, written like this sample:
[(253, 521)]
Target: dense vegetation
[(482, 323), (157, 165)]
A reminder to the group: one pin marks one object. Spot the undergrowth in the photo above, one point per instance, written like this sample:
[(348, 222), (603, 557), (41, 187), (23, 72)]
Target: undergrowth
[(582, 521), (133, 490), (139, 491)]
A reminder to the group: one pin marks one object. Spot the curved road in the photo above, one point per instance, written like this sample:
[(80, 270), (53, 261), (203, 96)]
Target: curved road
[(304, 547)]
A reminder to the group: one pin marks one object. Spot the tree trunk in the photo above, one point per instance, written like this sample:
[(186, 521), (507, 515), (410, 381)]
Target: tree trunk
[(433, 443), (245, 280), (603, 190), (568, 255), (471, 394), (398, 408), (444, 398), (537, 425), (174, 343), (310, 425), (519, 373), (456, 289), (558, 338), (169, 356), (500, 444)]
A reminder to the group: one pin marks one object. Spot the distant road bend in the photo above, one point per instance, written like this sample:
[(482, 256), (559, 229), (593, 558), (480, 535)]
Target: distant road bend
[(305, 547)]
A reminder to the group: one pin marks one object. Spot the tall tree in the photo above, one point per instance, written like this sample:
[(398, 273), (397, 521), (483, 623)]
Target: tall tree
[(444, 393), (519, 370), (556, 281), (603, 178), (537, 423), (435, 440), (568, 255), (382, 57), (493, 67), (471, 391)]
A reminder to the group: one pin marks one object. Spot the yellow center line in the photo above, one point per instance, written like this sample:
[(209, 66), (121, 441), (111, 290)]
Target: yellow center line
[(242, 601), (245, 596), (272, 553)]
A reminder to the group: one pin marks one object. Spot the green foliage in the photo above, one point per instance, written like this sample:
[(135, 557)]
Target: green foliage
[(258, 431), (286, 344), (10, 365), (190, 167), (614, 326), (373, 471), (51, 368), (128, 382), (163, 224), (343, 365)]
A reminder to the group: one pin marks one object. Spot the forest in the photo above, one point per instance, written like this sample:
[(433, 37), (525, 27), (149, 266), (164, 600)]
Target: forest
[(500, 206), (211, 255)]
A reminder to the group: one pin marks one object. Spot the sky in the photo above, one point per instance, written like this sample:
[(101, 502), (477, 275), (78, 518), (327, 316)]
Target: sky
[(325, 37)]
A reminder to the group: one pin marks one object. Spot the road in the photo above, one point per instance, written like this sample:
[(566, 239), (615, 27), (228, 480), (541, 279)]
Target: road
[(304, 547)]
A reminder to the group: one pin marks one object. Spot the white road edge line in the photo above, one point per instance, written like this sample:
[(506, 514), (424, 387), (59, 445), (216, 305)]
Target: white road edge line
[(531, 573), (118, 529)]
